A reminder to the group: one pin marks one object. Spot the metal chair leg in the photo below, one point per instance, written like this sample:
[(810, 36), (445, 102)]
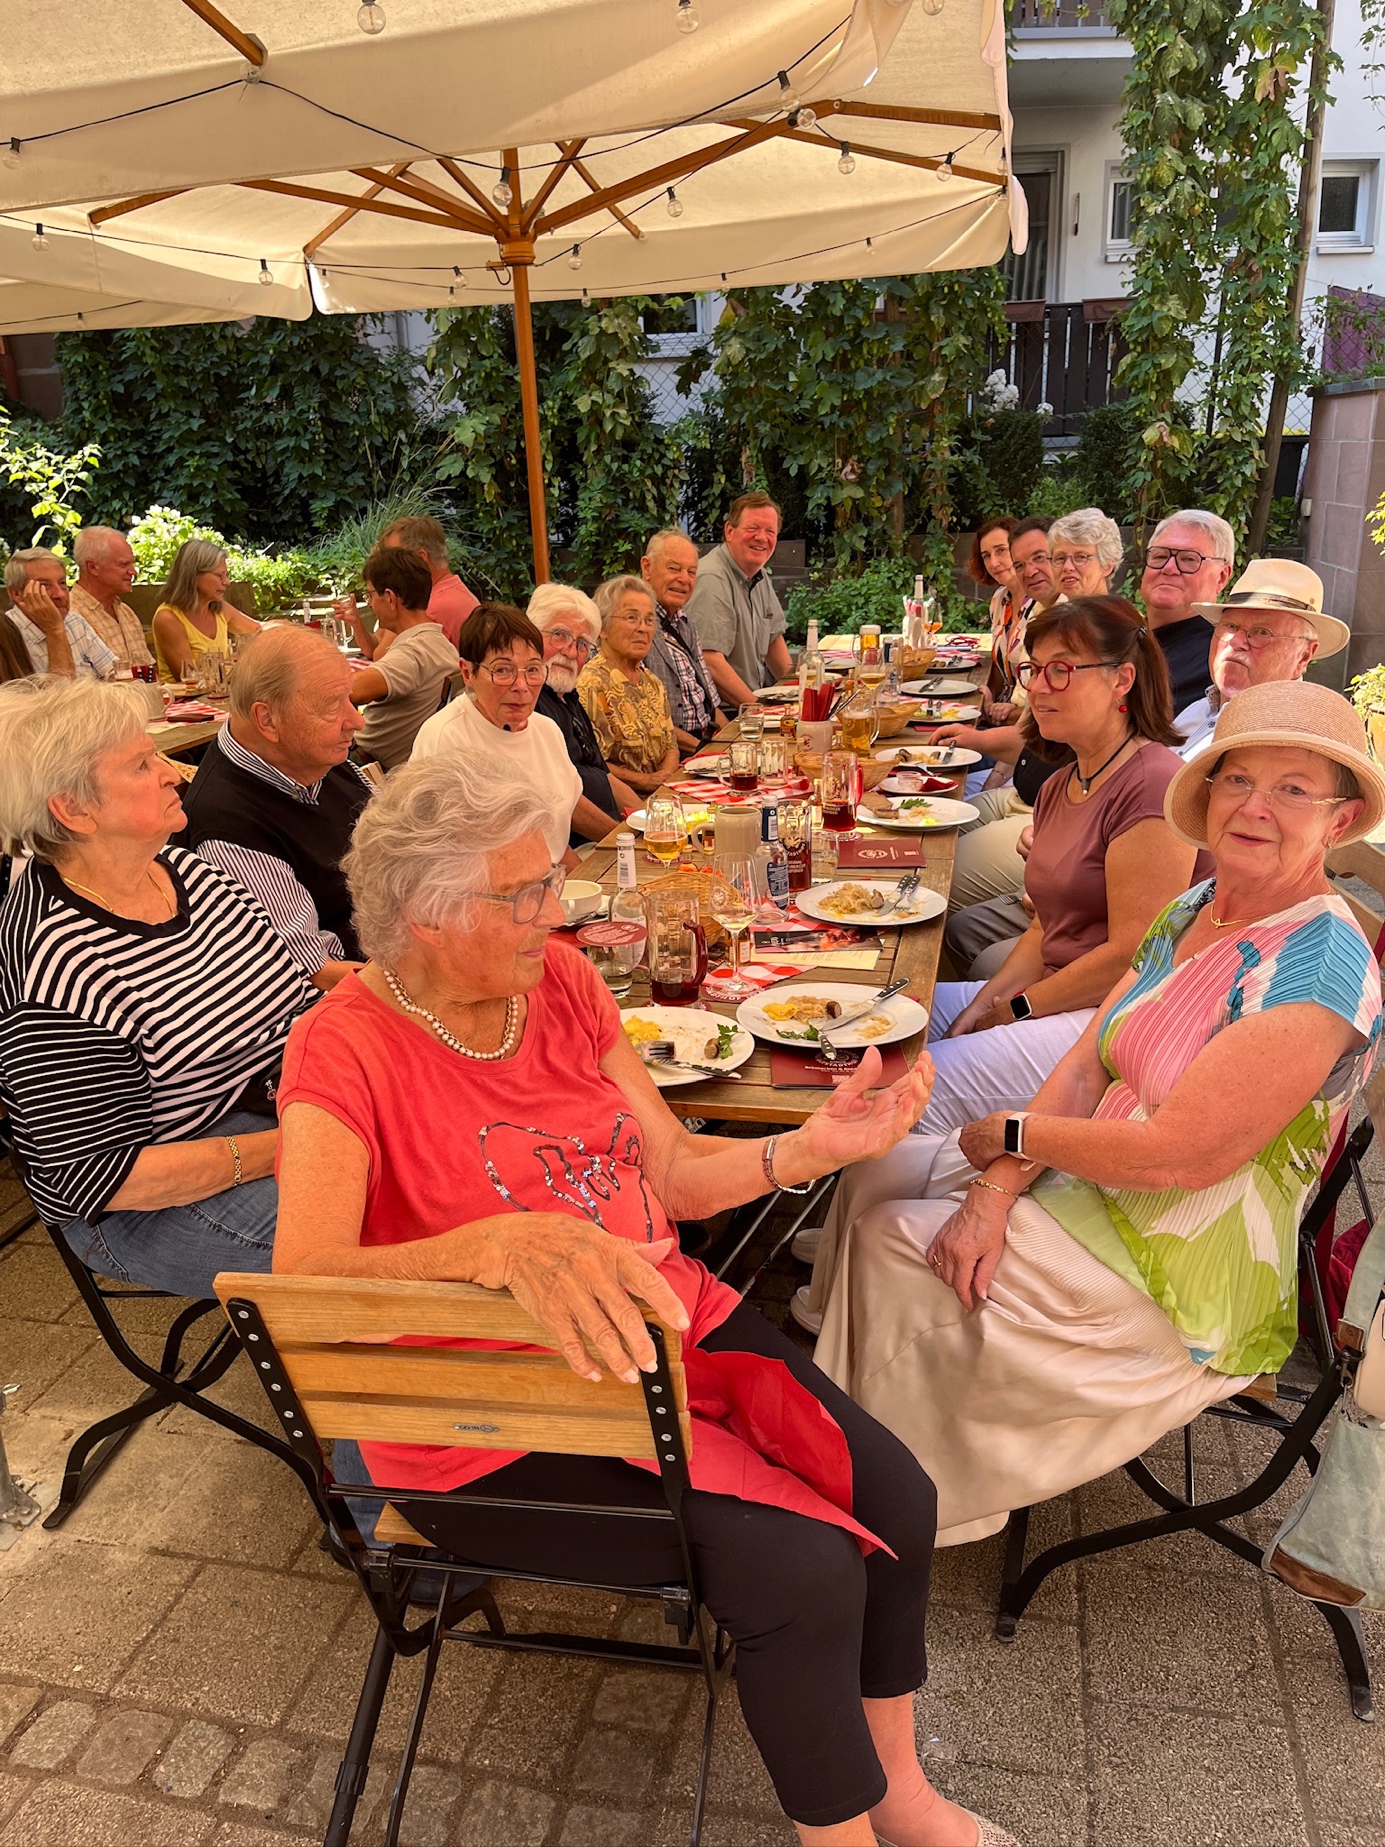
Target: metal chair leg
[(1011, 1570), (704, 1770), (1351, 1647), (411, 1743), (355, 1763)]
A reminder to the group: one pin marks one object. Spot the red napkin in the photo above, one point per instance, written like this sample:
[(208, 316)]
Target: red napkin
[(794, 1071)]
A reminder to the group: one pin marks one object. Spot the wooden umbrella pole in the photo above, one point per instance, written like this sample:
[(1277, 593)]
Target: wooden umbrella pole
[(529, 403)]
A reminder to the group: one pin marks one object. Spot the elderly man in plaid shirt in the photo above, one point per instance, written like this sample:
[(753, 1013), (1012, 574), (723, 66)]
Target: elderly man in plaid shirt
[(669, 567)]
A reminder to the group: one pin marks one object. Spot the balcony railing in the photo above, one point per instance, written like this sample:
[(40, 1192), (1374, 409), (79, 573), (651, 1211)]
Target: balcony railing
[(1059, 15), (1063, 354)]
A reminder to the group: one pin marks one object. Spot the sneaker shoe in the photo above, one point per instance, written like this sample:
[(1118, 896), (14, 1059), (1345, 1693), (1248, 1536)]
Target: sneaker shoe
[(806, 1317), (805, 1243)]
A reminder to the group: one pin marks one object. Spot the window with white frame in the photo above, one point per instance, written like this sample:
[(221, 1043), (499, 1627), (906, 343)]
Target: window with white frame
[(677, 323), (1118, 201), (1347, 205)]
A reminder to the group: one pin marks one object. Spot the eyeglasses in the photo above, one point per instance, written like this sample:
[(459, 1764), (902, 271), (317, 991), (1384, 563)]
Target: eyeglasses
[(1189, 562), (526, 903), (1255, 638), (1080, 559), (1284, 797), (1056, 674), (578, 643), (505, 673)]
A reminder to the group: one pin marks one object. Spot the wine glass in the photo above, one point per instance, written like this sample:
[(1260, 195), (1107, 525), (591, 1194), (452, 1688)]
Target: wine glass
[(665, 829), (841, 791), (740, 892)]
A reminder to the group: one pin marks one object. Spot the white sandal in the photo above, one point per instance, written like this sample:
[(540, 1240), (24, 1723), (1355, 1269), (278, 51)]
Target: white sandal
[(990, 1833)]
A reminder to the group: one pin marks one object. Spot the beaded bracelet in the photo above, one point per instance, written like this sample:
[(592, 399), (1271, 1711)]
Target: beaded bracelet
[(991, 1187), (232, 1144), (767, 1162)]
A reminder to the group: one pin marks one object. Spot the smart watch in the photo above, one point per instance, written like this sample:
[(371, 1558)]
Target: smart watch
[(1014, 1133), (1021, 1007)]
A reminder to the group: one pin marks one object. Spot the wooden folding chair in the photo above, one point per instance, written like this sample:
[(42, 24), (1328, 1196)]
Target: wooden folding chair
[(321, 1347), (1259, 1405)]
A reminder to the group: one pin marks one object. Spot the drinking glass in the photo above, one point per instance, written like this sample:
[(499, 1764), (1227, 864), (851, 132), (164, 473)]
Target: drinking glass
[(774, 756), (740, 893), (752, 721), (841, 791), (665, 829), (745, 764), (859, 719)]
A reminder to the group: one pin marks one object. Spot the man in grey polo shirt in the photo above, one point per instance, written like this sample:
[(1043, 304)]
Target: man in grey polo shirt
[(734, 608)]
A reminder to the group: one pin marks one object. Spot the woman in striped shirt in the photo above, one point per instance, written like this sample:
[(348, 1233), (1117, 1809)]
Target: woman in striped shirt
[(144, 1002)]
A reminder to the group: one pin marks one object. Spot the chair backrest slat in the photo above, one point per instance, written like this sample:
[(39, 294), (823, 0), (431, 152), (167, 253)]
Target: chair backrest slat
[(333, 1339)]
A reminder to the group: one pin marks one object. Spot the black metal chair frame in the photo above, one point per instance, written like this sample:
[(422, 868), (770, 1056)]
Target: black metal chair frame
[(175, 1380), (1184, 1512), (388, 1571)]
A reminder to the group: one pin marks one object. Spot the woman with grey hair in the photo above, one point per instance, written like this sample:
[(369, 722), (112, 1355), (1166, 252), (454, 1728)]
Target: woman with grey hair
[(194, 617), (570, 624), (469, 1109), (1085, 550), (145, 1001), (627, 703)]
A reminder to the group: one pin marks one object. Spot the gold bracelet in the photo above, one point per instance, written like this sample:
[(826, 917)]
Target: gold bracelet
[(233, 1145), (991, 1187)]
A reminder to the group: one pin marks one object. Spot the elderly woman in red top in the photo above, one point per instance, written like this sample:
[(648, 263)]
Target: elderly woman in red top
[(468, 1108)]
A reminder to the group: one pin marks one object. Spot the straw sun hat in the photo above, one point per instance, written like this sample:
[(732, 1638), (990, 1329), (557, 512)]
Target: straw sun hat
[(1296, 714), (1288, 588)]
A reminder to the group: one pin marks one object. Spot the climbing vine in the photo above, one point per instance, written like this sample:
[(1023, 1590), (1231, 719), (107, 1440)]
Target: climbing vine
[(1213, 135)]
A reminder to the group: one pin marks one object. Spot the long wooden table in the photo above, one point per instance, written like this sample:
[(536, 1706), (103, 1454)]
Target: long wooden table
[(910, 953)]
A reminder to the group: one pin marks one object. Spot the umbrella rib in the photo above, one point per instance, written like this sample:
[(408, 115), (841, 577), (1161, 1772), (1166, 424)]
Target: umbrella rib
[(653, 177), (137, 204), (898, 112), (248, 47), (569, 150), (928, 161), (454, 172), (584, 173), (425, 193), (314, 244), (358, 202)]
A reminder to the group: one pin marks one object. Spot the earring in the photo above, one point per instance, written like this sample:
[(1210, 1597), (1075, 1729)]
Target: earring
[(1121, 706)]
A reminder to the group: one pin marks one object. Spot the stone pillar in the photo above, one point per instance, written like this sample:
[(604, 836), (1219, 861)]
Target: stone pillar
[(1344, 479)]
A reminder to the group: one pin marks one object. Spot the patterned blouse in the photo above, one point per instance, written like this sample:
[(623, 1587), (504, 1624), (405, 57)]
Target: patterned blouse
[(631, 717), (1009, 619), (1223, 1262)]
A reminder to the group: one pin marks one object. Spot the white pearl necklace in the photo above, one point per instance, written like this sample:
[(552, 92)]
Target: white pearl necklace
[(506, 1046)]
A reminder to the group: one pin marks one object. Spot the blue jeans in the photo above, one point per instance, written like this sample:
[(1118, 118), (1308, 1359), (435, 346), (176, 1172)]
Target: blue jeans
[(181, 1248)]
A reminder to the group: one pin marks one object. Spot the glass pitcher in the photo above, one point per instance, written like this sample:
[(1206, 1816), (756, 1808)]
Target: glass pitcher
[(677, 948)]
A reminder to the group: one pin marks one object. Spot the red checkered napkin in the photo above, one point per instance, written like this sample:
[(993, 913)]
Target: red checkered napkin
[(758, 974)]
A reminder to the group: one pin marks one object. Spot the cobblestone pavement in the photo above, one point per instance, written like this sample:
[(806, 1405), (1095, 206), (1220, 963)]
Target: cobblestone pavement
[(179, 1664)]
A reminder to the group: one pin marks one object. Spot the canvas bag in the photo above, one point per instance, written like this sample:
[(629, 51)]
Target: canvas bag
[(1331, 1548)]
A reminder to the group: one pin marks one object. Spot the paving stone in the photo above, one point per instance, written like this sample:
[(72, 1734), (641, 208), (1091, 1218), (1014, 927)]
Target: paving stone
[(739, 1778), (533, 1716), (249, 1509), (1166, 1779), (588, 1827), (59, 1814), (1014, 1704), (504, 1815), (311, 1804), (429, 1807), (13, 1790), (1344, 1834), (81, 1611), (238, 1646), (649, 1699), (260, 1779), (36, 1284), (1038, 1811), (236, 1834), (124, 1746), (37, 1354), (614, 1764), (968, 1577), (1115, 1499), (193, 1759), (1344, 1760), (54, 1735), (16, 1703)]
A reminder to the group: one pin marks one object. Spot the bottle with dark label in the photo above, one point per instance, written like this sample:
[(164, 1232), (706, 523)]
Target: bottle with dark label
[(776, 859)]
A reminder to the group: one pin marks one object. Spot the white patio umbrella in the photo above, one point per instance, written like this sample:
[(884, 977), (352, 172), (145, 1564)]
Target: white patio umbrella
[(908, 171)]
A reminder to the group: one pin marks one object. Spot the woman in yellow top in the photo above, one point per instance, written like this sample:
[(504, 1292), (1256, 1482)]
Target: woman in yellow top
[(194, 619), (626, 703)]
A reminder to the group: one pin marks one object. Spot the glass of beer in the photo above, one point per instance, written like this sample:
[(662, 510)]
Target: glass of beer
[(744, 753), (841, 791), (665, 830)]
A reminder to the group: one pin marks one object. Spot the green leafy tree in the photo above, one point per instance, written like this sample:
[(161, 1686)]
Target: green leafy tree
[(47, 484)]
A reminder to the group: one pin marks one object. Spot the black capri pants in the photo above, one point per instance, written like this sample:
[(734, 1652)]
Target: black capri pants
[(817, 1627)]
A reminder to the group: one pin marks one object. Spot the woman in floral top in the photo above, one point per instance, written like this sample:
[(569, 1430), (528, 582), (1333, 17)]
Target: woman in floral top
[(1036, 1319), (626, 703)]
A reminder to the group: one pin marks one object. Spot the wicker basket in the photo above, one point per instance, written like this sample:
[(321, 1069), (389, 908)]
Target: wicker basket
[(894, 718)]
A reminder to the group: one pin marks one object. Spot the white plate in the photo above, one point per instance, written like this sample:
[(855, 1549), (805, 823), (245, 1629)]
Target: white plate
[(696, 814), (916, 909), (948, 713), (940, 688), (908, 1016), (909, 782), (933, 755), (930, 813), (685, 1025)]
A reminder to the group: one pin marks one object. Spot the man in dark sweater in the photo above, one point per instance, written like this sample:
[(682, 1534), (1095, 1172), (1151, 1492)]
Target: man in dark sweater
[(1189, 561), (274, 800)]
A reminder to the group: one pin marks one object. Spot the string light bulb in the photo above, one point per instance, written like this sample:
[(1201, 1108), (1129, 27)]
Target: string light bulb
[(12, 152), (266, 280), (688, 17), (575, 258), (674, 208), (788, 96), (931, 7), (804, 117), (370, 17), (502, 192), (847, 163), (945, 167), (40, 239)]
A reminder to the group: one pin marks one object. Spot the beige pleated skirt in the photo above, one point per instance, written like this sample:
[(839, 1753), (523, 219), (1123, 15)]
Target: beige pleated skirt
[(1065, 1373)]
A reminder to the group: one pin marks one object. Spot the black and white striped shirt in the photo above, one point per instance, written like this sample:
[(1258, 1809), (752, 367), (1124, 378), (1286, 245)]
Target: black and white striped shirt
[(115, 1033)]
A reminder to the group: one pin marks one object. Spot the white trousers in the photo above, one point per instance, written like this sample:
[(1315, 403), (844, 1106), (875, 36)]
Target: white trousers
[(1001, 1068)]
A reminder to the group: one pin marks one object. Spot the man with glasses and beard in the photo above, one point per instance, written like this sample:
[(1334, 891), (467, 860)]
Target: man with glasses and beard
[(570, 624)]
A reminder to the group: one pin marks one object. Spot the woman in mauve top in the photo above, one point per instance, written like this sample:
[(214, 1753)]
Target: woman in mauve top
[(469, 1108)]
